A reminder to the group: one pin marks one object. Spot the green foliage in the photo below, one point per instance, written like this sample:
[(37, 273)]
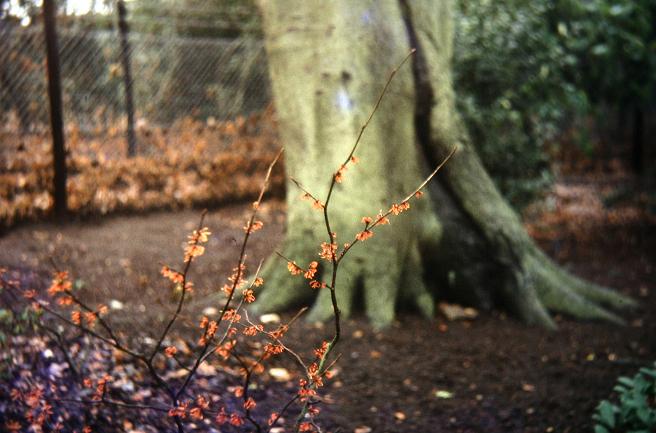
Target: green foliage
[(509, 75), (527, 70), (17, 322), (635, 412), (615, 44)]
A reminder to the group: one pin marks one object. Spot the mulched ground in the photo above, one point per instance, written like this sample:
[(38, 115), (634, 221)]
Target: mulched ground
[(500, 376)]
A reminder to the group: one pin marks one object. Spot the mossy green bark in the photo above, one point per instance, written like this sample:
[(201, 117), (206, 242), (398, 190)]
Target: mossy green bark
[(328, 63)]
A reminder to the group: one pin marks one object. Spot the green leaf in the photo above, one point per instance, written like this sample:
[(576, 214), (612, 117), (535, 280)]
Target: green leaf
[(606, 413), (600, 429), (626, 381), (600, 50)]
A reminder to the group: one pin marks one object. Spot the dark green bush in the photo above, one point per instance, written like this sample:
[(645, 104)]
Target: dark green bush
[(635, 410), (527, 70), (515, 99)]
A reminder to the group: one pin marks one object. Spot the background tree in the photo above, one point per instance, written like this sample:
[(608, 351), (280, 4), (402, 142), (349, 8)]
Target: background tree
[(614, 44), (328, 61)]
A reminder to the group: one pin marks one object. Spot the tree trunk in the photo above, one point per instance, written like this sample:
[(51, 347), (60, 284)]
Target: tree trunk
[(328, 62)]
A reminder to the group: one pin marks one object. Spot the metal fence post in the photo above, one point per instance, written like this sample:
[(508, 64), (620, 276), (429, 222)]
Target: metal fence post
[(56, 116), (127, 76)]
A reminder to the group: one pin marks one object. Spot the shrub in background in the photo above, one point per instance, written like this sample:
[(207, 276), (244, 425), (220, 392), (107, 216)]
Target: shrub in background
[(509, 71), (635, 411)]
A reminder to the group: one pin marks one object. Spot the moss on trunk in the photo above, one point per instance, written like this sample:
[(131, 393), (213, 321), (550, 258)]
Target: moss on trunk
[(328, 62)]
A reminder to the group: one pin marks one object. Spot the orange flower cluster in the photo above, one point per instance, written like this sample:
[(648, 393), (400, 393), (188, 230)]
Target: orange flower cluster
[(319, 352), (328, 251), (273, 349), (396, 209), (250, 228), (210, 327), (60, 283), (294, 269), (193, 248), (249, 403), (312, 269), (251, 331), (174, 276), (339, 174), (249, 296), (316, 203), (225, 349), (236, 279), (364, 235), (232, 315), (306, 426)]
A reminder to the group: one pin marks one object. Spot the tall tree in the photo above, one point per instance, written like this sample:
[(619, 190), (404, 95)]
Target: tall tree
[(328, 61)]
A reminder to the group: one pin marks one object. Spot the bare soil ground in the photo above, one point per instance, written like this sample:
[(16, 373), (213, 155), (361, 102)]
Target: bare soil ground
[(501, 376)]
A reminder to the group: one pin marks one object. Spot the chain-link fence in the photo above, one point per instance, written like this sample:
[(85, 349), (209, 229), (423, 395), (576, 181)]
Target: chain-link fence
[(195, 99)]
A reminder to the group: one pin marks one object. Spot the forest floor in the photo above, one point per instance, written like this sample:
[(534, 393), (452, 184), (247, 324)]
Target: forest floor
[(488, 375)]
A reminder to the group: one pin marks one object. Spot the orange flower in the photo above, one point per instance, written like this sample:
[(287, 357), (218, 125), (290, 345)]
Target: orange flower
[(249, 296), (398, 208), (253, 330), (76, 317), (318, 205), (196, 413), (212, 328), (273, 418), (257, 225), (90, 317), (294, 269), (273, 349), (172, 275), (381, 219), (316, 284), (203, 322), (320, 351), (29, 294), (232, 314), (170, 351), (418, 194), (312, 269), (339, 175), (305, 426), (327, 250), (366, 220), (258, 282), (13, 426), (314, 411), (202, 402), (65, 300), (102, 309), (60, 283), (221, 417), (193, 251), (355, 159), (236, 420), (364, 235), (224, 350), (199, 236), (249, 404), (280, 332), (227, 289)]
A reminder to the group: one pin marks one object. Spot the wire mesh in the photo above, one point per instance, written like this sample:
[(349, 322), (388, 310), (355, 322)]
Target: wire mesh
[(197, 94)]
